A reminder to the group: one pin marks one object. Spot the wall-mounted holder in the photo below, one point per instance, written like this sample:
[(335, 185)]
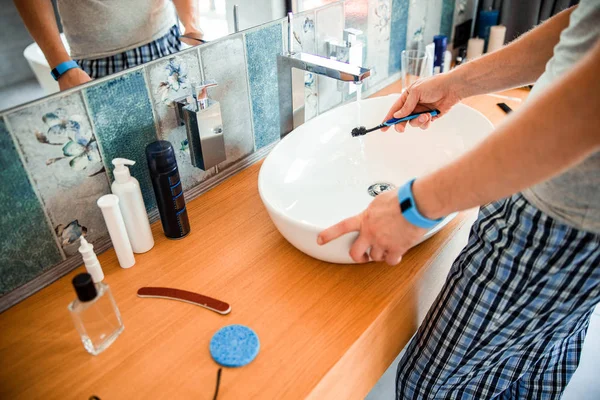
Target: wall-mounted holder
[(204, 126)]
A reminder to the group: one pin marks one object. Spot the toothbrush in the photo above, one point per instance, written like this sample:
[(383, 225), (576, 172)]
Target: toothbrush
[(391, 122)]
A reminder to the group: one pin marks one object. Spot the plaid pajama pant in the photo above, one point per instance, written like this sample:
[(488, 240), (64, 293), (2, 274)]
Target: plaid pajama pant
[(163, 46), (512, 316)]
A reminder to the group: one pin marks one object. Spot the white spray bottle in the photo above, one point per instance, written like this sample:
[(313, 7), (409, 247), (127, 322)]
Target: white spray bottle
[(131, 203), (92, 265)]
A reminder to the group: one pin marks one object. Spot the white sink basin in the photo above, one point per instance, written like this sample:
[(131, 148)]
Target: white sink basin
[(319, 174)]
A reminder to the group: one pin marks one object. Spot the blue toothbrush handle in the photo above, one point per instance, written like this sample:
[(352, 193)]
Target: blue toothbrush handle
[(394, 121)]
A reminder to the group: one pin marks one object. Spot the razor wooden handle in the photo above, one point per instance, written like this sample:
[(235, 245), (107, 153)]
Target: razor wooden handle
[(209, 303)]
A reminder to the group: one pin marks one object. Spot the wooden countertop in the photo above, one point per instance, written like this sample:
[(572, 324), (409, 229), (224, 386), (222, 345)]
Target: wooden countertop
[(326, 331)]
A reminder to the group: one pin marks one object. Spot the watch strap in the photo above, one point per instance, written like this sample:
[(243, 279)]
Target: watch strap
[(409, 210), (63, 67)]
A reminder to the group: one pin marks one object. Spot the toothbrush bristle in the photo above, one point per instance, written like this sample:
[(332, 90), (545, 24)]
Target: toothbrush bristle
[(360, 131)]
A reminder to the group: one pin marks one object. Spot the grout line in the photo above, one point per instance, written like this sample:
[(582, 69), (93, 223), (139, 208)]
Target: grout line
[(247, 74), (31, 181), (86, 106)]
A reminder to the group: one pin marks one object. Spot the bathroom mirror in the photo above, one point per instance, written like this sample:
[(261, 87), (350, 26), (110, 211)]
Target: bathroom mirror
[(100, 35)]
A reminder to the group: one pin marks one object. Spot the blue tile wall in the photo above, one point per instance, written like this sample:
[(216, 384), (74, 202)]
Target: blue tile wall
[(447, 18), (399, 25), (121, 113), (262, 47), (27, 244)]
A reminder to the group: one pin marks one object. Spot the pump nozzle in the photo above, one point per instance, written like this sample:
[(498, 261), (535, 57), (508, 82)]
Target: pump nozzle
[(121, 171)]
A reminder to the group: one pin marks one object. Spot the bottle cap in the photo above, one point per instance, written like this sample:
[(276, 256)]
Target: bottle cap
[(84, 287), (121, 170), (85, 247), (160, 156)]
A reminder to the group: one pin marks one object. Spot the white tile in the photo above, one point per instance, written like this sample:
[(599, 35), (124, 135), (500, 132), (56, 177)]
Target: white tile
[(232, 93), (329, 27)]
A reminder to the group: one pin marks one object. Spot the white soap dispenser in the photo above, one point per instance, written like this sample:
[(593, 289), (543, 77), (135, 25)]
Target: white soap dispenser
[(131, 203), (92, 265)]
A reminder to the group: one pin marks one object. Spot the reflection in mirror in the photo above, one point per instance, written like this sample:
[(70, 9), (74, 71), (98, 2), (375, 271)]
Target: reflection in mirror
[(40, 38)]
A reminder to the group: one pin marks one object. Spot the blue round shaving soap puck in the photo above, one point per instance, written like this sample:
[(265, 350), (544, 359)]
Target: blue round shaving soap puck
[(234, 346)]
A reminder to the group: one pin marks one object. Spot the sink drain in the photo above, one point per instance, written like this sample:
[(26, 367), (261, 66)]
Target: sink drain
[(377, 188)]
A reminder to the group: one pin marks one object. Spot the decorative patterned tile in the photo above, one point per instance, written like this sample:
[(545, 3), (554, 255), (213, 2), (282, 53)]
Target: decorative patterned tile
[(424, 19), (121, 113), (398, 30), (170, 79), (61, 152), (447, 18), (330, 27), (262, 47), (27, 244), (230, 74), (305, 41), (378, 47)]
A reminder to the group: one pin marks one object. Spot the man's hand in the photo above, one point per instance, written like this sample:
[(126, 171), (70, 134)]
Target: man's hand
[(431, 93), (192, 38), (72, 78), (382, 228)]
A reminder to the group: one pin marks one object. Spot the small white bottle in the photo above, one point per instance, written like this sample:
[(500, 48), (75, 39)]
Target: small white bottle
[(109, 205), (92, 265), (131, 203)]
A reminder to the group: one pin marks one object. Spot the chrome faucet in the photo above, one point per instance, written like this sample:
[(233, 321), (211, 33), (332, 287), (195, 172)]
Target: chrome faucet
[(291, 85)]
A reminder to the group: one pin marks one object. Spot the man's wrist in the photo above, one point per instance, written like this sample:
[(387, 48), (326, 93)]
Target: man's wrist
[(62, 68), (458, 81), (426, 199)]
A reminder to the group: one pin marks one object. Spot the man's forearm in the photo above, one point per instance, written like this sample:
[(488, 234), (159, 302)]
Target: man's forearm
[(39, 19), (517, 64), (188, 13), (546, 136)]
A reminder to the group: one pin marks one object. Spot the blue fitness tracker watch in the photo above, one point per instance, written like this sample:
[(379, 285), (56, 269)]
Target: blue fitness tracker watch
[(408, 207), (63, 67)]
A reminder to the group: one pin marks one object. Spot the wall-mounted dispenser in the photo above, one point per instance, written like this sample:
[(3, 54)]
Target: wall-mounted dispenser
[(204, 125)]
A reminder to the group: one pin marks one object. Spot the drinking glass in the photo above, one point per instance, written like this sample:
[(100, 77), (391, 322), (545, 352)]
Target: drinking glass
[(414, 63)]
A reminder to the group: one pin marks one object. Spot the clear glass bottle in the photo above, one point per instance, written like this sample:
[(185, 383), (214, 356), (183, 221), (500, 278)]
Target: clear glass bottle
[(95, 314)]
